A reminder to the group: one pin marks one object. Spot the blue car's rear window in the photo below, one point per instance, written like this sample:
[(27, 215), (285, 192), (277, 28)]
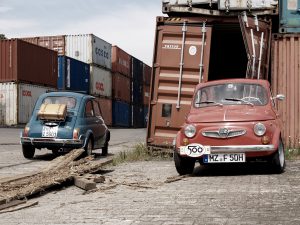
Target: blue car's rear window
[(69, 101)]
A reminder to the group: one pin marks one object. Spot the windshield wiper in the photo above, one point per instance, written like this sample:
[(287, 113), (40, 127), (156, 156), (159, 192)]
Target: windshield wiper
[(209, 102), (239, 100)]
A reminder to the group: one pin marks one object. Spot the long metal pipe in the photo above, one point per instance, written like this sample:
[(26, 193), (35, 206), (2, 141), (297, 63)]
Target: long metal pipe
[(184, 29), (202, 53), (254, 53), (260, 55)]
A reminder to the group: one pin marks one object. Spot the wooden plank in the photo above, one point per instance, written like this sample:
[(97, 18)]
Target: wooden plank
[(84, 184), (12, 203), (23, 206)]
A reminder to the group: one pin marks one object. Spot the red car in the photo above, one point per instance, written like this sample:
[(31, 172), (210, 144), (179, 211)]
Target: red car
[(231, 121)]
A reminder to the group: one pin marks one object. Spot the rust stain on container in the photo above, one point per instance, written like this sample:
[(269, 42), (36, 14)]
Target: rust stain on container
[(121, 87), (56, 43), (106, 109), (176, 72), (286, 80), (21, 61), (121, 61)]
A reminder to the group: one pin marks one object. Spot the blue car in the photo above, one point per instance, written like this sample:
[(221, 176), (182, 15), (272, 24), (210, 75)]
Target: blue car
[(73, 121)]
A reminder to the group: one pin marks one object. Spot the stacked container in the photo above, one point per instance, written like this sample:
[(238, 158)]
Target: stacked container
[(146, 91), (121, 87), (138, 118), (26, 72)]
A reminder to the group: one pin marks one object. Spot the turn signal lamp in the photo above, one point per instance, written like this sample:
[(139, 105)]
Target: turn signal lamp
[(76, 133), (265, 140), (185, 141), (26, 131)]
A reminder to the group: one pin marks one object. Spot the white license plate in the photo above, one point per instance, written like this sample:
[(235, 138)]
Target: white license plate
[(225, 158), (49, 131)]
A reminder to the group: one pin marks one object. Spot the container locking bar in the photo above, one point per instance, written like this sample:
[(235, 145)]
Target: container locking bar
[(184, 30), (202, 52)]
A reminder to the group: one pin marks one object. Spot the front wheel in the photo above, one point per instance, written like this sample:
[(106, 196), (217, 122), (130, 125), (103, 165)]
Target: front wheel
[(28, 151), (183, 165), (278, 160)]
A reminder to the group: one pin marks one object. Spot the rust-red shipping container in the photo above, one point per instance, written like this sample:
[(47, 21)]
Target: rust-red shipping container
[(121, 88), (286, 80), (56, 43), (121, 61), (146, 90), (26, 62), (106, 109), (197, 49), (147, 74)]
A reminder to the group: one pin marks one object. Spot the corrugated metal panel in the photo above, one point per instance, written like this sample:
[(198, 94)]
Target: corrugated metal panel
[(247, 4), (137, 93), (121, 61), (89, 49), (17, 102), (138, 119), (121, 88), (73, 75), (176, 73), (25, 62), (289, 16), (286, 80), (106, 109), (56, 43), (100, 82), (147, 74), (146, 109), (121, 114), (137, 70)]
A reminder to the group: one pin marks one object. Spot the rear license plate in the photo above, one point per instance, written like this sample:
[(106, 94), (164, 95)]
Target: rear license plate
[(225, 158), (49, 131)]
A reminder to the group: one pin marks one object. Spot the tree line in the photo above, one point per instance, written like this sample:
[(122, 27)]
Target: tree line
[(2, 37)]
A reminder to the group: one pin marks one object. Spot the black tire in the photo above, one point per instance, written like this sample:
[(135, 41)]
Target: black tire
[(105, 148), (88, 149), (183, 165), (278, 160), (28, 151), (56, 152)]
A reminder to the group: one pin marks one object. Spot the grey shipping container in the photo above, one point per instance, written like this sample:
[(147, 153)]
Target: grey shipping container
[(25, 62), (289, 16)]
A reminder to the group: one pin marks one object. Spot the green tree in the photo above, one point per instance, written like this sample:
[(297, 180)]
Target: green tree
[(2, 37)]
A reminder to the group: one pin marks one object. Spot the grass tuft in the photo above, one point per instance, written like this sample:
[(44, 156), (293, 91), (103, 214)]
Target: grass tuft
[(292, 154)]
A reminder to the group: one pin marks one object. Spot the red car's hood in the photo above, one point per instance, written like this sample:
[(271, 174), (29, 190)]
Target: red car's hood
[(230, 114)]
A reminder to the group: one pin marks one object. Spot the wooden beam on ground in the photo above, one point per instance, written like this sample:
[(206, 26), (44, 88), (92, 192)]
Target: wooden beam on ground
[(84, 184)]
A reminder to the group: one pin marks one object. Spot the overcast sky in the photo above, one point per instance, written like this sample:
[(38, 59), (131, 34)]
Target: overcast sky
[(130, 24)]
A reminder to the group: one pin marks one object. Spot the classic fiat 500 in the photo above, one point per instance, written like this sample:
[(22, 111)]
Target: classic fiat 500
[(231, 121), (62, 121)]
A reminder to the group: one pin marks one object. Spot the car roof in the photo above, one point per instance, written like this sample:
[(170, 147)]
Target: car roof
[(264, 83), (66, 94)]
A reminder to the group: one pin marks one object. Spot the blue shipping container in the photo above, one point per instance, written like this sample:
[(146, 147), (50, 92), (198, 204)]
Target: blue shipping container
[(138, 117), (289, 16), (121, 114), (137, 70), (146, 110), (137, 93), (73, 75)]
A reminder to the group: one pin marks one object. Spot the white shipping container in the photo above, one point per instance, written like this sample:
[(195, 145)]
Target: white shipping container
[(246, 4), (188, 2), (100, 82), (89, 48), (17, 101)]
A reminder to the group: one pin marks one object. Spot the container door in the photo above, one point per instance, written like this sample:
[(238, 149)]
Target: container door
[(257, 38), (181, 61)]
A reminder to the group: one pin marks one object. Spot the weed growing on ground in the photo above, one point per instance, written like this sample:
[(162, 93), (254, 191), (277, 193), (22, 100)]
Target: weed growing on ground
[(291, 154)]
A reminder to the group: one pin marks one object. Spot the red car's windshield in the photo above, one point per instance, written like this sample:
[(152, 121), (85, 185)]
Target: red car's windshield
[(231, 94)]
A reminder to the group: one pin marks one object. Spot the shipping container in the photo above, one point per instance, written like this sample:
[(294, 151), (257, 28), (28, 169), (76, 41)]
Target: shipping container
[(137, 93), (73, 75), (121, 114), (56, 43), (219, 7), (138, 116), (137, 70), (100, 82), (17, 101), (286, 80), (189, 51), (25, 62), (106, 109), (289, 16), (146, 91), (121, 87), (121, 61), (147, 74), (89, 48)]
